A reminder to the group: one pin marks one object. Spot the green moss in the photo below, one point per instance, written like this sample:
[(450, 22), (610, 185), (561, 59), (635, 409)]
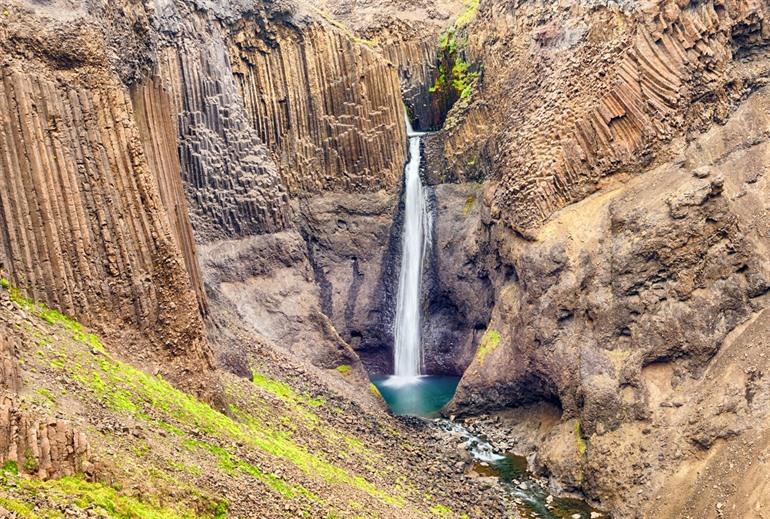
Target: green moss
[(469, 205), (230, 463), (455, 79), (283, 391), (489, 342), (127, 389), (579, 440), (54, 317), (20, 509), (374, 391), (30, 463), (441, 511), (10, 466), (86, 495), (220, 509), (467, 16), (46, 394), (344, 369), (5, 284)]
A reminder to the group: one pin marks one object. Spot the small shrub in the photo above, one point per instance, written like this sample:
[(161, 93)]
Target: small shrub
[(581, 443)]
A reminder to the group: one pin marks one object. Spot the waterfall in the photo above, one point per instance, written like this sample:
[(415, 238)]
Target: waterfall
[(415, 242)]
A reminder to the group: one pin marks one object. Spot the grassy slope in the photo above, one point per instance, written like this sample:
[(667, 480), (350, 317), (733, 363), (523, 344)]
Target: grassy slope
[(164, 454)]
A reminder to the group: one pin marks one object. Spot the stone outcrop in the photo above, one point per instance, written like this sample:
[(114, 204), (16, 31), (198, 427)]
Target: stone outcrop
[(42, 447), (155, 122), (353, 244), (458, 292), (625, 300), (574, 92), (32, 443)]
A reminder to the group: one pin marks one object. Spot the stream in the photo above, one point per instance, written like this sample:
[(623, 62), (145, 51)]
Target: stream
[(424, 397)]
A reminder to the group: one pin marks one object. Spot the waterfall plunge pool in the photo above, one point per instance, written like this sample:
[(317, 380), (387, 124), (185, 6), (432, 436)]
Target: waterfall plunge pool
[(416, 396)]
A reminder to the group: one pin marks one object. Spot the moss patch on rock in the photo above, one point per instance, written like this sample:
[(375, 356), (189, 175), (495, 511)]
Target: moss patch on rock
[(489, 342)]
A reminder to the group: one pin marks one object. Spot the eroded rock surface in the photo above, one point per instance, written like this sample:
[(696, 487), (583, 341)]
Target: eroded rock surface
[(622, 302)]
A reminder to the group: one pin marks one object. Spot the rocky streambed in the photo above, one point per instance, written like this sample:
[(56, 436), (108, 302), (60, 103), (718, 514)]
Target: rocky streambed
[(484, 456)]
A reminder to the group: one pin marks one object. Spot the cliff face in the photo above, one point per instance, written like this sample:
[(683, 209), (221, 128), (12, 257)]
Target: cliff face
[(232, 183), (328, 107), (406, 34), (573, 93), (623, 232), (84, 226)]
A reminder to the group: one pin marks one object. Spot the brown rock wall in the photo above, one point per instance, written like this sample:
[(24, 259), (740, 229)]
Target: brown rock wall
[(573, 93), (156, 124), (329, 108)]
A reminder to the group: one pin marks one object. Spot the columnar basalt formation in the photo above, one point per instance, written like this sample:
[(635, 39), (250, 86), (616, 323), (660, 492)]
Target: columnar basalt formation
[(555, 131), (412, 48), (328, 107), (407, 34), (84, 228), (232, 183), (33, 444), (156, 124), (42, 447)]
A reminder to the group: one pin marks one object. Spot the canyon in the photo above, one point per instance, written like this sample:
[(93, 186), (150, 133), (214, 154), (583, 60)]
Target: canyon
[(203, 211)]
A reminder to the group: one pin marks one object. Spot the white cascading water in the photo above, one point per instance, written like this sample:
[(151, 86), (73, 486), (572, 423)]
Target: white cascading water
[(415, 242)]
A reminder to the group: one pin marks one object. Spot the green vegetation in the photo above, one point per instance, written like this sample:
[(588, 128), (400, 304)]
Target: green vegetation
[(5, 284), (23, 510), (73, 490), (55, 317), (230, 464), (284, 391), (489, 342), (246, 438), (124, 388), (455, 79), (10, 466), (467, 16), (343, 369), (441, 511), (581, 443), (30, 463), (469, 205), (374, 391)]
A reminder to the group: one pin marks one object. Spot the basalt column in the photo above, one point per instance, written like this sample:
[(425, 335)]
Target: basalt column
[(328, 107)]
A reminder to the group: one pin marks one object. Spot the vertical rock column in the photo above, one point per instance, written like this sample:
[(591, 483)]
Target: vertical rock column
[(81, 223), (233, 186), (329, 108), (157, 126)]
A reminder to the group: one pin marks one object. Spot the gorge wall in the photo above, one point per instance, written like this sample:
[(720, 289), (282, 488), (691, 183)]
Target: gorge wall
[(84, 225), (620, 239)]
